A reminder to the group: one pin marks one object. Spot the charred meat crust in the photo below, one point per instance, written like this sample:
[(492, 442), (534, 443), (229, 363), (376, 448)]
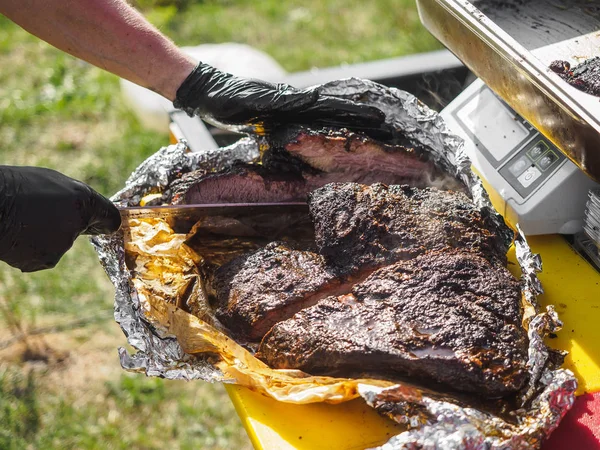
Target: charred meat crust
[(584, 76), (357, 225), (406, 281), (257, 290), (449, 317), (358, 228)]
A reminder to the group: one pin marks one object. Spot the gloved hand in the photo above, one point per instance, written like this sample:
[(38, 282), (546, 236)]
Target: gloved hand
[(42, 212), (226, 99)]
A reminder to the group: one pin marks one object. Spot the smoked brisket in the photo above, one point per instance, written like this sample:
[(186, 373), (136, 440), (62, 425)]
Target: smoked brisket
[(448, 317), (399, 273), (301, 161), (358, 225), (259, 289)]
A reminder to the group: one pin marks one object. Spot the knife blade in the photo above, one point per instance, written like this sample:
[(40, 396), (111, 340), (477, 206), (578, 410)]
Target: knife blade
[(193, 213)]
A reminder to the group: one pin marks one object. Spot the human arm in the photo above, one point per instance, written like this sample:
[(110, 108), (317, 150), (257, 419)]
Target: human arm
[(109, 34), (114, 36)]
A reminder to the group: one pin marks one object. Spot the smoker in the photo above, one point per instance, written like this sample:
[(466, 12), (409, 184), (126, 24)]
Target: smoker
[(533, 139)]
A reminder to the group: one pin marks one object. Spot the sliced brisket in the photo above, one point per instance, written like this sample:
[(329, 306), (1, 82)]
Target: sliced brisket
[(303, 160), (406, 281), (259, 289), (448, 317), (242, 183), (358, 226), (357, 158)]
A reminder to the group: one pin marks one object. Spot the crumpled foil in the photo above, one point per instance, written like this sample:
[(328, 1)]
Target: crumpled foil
[(157, 172), (173, 344), (444, 425)]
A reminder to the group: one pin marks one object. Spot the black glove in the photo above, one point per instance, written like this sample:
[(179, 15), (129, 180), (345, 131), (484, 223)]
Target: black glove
[(42, 212), (225, 99)]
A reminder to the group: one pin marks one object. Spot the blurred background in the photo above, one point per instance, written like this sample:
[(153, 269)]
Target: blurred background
[(61, 384)]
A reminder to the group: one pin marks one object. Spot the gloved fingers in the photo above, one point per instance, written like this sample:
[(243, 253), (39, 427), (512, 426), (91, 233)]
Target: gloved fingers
[(232, 102), (35, 265), (245, 101), (105, 217), (286, 98), (339, 111), (47, 212)]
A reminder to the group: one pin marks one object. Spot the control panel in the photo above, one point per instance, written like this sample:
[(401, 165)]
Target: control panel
[(520, 154), (542, 190)]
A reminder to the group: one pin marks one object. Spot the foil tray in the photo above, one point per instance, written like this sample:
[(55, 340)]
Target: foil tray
[(497, 43), (175, 344)]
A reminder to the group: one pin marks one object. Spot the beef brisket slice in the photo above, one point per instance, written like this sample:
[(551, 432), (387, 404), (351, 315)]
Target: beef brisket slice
[(447, 317), (357, 158), (256, 290), (302, 160), (243, 183), (358, 226)]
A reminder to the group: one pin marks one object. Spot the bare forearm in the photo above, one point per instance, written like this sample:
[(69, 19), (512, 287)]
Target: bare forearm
[(109, 34)]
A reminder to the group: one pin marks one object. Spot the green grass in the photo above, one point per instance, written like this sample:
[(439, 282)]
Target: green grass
[(130, 412), (58, 112), (304, 34)]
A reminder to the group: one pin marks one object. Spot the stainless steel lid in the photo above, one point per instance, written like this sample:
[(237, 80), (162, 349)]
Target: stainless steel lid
[(566, 116)]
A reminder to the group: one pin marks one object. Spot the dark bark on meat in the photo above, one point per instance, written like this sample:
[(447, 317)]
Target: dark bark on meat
[(444, 309), (357, 226), (584, 76), (257, 290), (448, 317)]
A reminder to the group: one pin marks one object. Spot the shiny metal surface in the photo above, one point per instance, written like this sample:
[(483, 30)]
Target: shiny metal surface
[(592, 217), (538, 23), (569, 118), (193, 213)]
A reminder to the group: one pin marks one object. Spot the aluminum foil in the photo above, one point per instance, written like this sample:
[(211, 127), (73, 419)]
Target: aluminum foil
[(432, 423), (444, 425), (158, 355), (156, 173)]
